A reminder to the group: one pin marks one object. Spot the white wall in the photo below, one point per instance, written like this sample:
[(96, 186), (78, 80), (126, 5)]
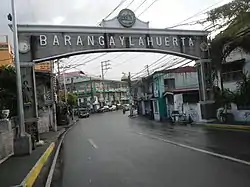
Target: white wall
[(192, 110), (237, 54), (156, 110), (184, 80), (178, 102)]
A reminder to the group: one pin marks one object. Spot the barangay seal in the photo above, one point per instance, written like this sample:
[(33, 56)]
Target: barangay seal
[(126, 18)]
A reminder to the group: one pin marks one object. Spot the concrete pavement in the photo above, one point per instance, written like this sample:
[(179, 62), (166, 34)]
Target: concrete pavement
[(110, 149)]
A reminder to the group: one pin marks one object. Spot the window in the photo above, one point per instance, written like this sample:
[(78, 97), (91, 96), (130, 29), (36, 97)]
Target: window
[(156, 107), (169, 84)]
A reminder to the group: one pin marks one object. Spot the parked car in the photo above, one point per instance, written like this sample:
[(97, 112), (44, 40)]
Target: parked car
[(83, 113)]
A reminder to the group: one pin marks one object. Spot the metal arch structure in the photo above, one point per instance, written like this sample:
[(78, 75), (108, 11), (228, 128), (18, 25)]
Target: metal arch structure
[(38, 43), (48, 42)]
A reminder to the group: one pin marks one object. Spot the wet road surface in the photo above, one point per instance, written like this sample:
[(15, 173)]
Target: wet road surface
[(111, 149)]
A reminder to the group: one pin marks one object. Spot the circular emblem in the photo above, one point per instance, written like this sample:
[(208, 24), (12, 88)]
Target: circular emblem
[(204, 46), (126, 18), (24, 46)]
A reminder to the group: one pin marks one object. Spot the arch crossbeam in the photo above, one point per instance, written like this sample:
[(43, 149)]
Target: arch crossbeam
[(44, 42)]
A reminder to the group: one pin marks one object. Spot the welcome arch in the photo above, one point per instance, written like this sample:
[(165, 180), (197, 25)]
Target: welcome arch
[(125, 33)]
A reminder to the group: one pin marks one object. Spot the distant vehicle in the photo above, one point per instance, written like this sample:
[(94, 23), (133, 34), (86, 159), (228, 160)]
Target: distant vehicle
[(126, 107), (105, 108), (112, 108), (100, 110), (118, 106), (83, 113)]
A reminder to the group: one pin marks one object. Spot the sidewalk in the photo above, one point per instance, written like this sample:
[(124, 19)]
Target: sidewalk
[(14, 170)]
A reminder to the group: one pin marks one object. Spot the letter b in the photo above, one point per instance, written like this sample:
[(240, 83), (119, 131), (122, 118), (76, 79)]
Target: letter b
[(43, 40)]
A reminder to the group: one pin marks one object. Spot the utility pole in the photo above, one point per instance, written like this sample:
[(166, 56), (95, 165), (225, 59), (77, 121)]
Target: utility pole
[(130, 94), (18, 72), (58, 77), (52, 87), (147, 68), (105, 66)]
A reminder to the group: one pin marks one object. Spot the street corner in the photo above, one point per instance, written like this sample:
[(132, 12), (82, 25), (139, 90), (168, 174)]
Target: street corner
[(35, 171)]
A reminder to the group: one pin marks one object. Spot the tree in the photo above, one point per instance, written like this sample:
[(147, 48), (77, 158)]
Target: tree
[(242, 94), (71, 99), (8, 91), (234, 20)]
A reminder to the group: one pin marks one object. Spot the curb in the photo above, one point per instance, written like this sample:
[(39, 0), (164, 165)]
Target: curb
[(53, 165), (34, 172), (228, 127), (31, 177)]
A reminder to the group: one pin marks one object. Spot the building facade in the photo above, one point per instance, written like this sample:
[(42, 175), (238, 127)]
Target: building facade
[(168, 91), (6, 52), (101, 92), (236, 63)]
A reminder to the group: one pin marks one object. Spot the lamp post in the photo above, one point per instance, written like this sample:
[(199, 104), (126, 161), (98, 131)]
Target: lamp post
[(18, 71)]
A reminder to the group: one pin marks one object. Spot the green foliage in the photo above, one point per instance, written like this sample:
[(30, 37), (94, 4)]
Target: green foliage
[(228, 13), (234, 19), (71, 99), (223, 97), (242, 95), (8, 92)]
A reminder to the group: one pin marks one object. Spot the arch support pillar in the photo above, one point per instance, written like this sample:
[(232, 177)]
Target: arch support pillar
[(206, 107)]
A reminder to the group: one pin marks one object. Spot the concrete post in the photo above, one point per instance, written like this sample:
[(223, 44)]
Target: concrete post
[(207, 104), (22, 144)]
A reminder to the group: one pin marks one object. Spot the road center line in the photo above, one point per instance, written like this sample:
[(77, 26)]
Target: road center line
[(92, 143), (196, 149)]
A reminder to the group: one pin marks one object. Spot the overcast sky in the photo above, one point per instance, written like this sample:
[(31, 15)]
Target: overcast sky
[(162, 14)]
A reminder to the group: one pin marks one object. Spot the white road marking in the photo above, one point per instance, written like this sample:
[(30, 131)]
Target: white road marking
[(92, 143), (196, 149)]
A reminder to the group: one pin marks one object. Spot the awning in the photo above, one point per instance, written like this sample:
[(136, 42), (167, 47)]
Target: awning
[(182, 90)]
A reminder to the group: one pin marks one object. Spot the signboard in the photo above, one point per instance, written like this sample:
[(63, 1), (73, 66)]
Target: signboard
[(4, 47), (44, 66), (51, 42)]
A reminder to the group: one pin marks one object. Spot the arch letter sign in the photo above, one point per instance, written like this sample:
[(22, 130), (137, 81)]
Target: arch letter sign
[(48, 42)]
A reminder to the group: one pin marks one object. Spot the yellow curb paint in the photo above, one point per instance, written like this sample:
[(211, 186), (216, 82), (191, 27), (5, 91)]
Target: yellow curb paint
[(31, 177), (239, 127)]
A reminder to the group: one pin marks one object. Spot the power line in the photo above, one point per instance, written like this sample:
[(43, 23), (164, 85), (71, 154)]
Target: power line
[(140, 5), (120, 4), (127, 60), (130, 3), (195, 15), (157, 67), (150, 65), (84, 63), (71, 61), (147, 8)]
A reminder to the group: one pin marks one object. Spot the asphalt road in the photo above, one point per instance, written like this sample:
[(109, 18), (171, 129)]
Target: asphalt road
[(111, 150)]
